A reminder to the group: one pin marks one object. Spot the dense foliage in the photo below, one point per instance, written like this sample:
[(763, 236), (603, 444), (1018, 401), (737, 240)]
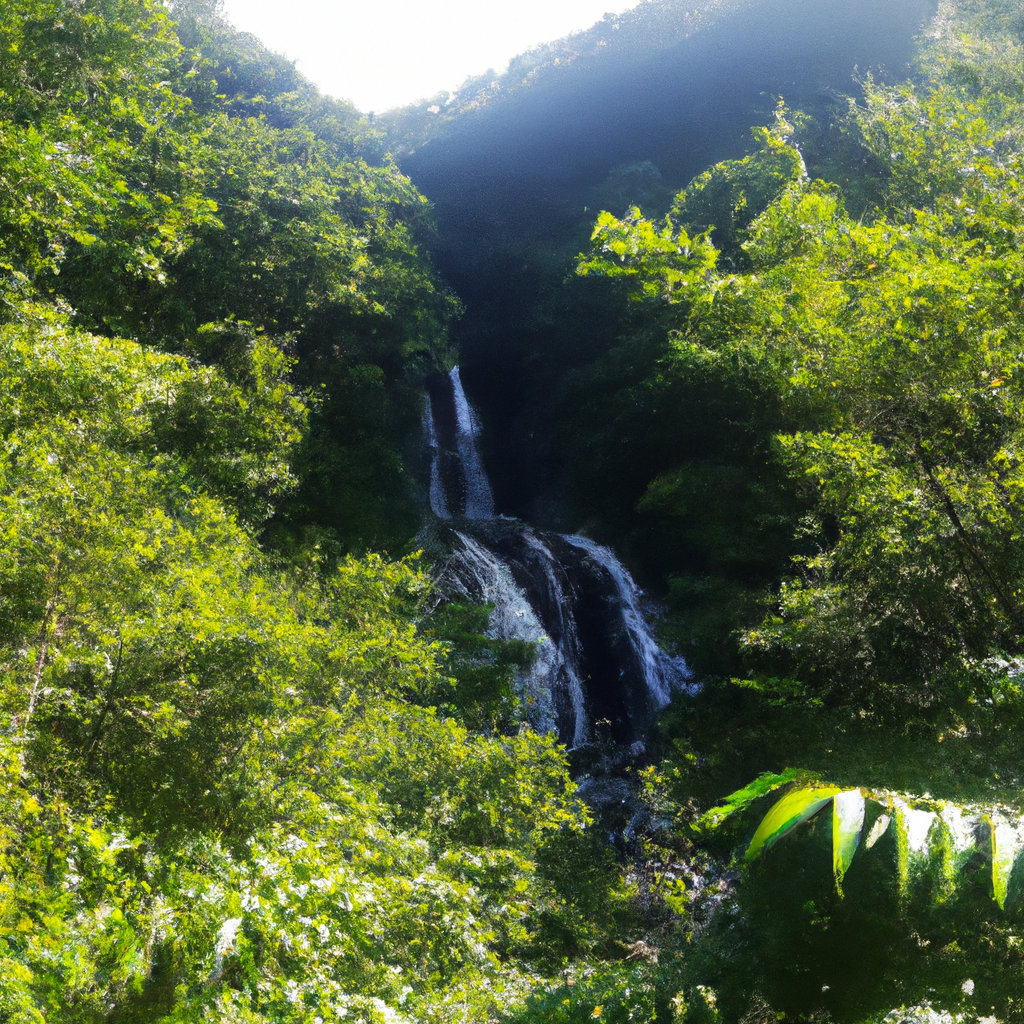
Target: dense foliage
[(253, 771), (847, 532), (882, 349), (226, 791), (215, 224)]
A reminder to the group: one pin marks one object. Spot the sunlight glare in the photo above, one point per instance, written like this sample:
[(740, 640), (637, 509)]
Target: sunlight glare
[(386, 53)]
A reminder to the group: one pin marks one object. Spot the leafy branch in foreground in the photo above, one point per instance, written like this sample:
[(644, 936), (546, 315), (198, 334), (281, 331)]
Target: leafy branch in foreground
[(926, 833)]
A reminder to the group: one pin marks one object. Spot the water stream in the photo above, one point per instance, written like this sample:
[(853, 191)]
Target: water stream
[(599, 671), (479, 503)]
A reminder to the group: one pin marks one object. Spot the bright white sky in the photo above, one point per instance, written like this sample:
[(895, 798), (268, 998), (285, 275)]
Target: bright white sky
[(386, 53)]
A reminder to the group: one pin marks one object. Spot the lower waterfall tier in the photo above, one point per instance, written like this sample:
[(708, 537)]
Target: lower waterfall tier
[(598, 674)]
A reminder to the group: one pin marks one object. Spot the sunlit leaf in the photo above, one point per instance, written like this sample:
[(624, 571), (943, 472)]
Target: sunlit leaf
[(793, 809), (900, 831), (743, 798), (847, 824), (1005, 843), (877, 830), (942, 859)]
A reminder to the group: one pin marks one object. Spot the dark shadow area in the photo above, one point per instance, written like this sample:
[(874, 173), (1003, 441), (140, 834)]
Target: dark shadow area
[(518, 183)]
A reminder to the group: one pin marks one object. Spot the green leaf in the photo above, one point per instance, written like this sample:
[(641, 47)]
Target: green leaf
[(847, 824), (743, 798), (1005, 844), (942, 859), (899, 826), (878, 829), (794, 808)]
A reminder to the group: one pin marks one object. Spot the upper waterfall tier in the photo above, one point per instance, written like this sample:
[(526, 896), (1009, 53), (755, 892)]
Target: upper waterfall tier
[(479, 500), (458, 480)]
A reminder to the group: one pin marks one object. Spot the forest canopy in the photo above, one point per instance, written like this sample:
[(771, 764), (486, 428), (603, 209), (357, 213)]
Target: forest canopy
[(846, 312), (226, 792), (220, 225), (253, 769)]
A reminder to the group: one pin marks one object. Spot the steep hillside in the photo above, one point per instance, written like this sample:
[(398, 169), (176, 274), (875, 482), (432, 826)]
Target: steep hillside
[(766, 354), (517, 167)]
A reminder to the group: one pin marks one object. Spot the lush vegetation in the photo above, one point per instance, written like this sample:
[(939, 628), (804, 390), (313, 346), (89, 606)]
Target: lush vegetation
[(876, 356), (227, 794), (175, 183), (251, 771), (825, 385)]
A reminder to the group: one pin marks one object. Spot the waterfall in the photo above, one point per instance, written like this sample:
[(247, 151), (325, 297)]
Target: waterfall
[(479, 500), (438, 502), (661, 671), (597, 665), (568, 645), (480, 575)]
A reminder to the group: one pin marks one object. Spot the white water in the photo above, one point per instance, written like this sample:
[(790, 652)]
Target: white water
[(481, 576), (541, 611), (479, 499), (662, 672), (438, 503), (569, 644)]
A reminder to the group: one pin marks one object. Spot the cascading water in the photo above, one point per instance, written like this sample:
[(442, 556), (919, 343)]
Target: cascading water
[(597, 661), (568, 678), (479, 500), (479, 574), (438, 502), (662, 672)]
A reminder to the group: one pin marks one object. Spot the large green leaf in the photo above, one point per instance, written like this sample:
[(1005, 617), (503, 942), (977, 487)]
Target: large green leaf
[(794, 808), (847, 825), (932, 839), (1005, 844), (743, 798)]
